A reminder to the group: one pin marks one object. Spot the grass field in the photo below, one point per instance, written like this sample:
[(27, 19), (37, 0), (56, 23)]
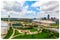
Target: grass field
[(32, 29), (55, 25)]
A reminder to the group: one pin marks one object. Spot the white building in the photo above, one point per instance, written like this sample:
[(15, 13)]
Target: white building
[(4, 28)]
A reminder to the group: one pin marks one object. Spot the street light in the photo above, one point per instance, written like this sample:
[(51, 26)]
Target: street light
[(9, 20)]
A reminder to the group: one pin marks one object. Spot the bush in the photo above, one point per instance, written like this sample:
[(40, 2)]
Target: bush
[(35, 25)]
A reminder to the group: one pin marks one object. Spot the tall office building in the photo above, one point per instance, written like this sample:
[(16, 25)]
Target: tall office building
[(48, 16)]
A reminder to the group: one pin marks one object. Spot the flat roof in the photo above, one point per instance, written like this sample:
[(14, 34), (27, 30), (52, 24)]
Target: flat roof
[(44, 21)]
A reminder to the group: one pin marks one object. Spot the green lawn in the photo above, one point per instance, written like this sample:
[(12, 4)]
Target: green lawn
[(51, 26), (32, 29), (16, 33), (55, 25), (26, 22), (44, 35), (10, 31)]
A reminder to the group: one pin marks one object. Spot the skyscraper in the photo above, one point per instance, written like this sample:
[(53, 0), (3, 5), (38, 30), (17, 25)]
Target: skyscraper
[(48, 16)]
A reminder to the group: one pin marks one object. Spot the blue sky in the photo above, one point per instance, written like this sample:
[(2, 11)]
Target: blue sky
[(31, 12), (29, 9), (33, 9)]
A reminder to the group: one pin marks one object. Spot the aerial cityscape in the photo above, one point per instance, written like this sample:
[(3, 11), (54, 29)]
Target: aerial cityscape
[(30, 20)]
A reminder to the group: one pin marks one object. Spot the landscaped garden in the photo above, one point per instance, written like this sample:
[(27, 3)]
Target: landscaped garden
[(31, 29), (16, 32), (56, 25), (43, 35)]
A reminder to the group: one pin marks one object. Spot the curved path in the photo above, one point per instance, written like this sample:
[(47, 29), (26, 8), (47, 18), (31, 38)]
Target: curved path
[(23, 33), (52, 29), (12, 34)]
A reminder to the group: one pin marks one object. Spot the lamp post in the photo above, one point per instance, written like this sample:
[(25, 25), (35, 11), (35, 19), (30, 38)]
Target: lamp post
[(9, 16), (9, 20)]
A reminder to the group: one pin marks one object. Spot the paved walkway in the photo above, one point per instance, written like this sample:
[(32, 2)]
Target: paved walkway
[(17, 35), (28, 32), (23, 33), (53, 29), (12, 34)]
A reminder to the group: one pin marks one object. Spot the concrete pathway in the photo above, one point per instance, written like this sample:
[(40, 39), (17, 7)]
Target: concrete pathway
[(17, 35), (23, 33), (12, 34), (53, 29)]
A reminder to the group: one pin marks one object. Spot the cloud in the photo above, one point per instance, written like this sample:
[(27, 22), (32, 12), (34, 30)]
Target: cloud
[(12, 6), (48, 7), (4, 16), (41, 2), (18, 10), (23, 9), (52, 8)]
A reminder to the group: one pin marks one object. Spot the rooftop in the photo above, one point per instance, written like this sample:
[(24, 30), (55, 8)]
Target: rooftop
[(44, 21)]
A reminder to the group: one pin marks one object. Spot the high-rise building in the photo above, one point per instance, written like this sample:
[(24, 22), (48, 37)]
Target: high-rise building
[(48, 16)]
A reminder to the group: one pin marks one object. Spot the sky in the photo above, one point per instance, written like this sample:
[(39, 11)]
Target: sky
[(30, 9)]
